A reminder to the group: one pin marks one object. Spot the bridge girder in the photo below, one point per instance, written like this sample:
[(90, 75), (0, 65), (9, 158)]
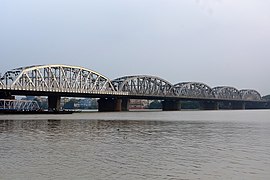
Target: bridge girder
[(60, 78), (193, 89), (250, 94), (226, 92), (143, 85)]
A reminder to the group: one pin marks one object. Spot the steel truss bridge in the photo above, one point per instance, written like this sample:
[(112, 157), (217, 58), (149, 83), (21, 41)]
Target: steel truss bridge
[(55, 81), (18, 105)]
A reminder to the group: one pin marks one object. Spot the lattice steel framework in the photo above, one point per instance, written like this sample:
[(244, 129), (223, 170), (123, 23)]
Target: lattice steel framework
[(58, 78), (225, 92), (193, 89), (18, 105), (143, 85), (1, 84), (74, 79), (250, 94)]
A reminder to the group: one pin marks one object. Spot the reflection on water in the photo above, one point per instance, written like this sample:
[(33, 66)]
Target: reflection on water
[(135, 149)]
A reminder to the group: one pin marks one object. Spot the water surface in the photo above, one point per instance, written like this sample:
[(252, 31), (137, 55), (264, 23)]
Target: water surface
[(136, 145)]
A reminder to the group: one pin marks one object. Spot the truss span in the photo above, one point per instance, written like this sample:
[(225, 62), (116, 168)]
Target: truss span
[(56, 78), (71, 80), (143, 85), (250, 94), (18, 105), (226, 92), (193, 89), (1, 84)]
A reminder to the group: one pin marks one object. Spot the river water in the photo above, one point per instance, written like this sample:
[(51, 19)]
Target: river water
[(136, 145)]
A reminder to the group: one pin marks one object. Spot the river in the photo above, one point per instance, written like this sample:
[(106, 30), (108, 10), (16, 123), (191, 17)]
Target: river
[(136, 145)]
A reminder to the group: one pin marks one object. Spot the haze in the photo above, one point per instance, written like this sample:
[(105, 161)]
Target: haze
[(217, 42)]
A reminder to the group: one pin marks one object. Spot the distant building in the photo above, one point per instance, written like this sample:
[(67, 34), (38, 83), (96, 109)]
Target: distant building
[(138, 104), (85, 103)]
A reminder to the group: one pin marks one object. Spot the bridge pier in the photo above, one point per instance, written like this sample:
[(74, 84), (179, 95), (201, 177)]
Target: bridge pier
[(125, 104), (109, 104), (209, 105), (113, 104), (171, 105), (238, 105), (267, 105), (54, 103), (257, 105)]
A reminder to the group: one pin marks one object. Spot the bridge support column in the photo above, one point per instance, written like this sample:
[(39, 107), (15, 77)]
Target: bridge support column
[(109, 104), (267, 105), (171, 105), (238, 105), (257, 105), (54, 103), (209, 105), (125, 104)]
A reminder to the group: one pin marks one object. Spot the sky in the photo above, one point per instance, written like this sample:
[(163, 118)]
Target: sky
[(217, 42)]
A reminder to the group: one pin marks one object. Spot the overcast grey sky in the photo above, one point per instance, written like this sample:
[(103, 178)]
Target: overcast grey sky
[(218, 42)]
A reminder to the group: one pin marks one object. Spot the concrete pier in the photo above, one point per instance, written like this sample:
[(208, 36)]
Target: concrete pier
[(54, 103), (171, 105), (125, 104), (109, 104), (209, 105), (238, 105)]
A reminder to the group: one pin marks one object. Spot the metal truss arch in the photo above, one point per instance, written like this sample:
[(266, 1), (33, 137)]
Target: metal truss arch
[(61, 78), (75, 80), (143, 85), (1, 84), (193, 89), (18, 105), (226, 92), (250, 94)]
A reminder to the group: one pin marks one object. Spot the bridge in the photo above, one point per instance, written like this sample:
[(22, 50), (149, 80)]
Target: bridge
[(13, 105), (56, 81)]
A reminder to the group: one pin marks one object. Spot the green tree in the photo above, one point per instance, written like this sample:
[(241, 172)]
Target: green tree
[(42, 104), (190, 105), (267, 97), (69, 105), (155, 105)]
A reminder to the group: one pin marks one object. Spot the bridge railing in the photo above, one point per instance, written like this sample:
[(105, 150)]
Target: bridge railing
[(62, 90)]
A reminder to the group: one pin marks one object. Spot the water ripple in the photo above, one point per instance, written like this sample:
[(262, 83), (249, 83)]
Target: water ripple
[(135, 149)]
